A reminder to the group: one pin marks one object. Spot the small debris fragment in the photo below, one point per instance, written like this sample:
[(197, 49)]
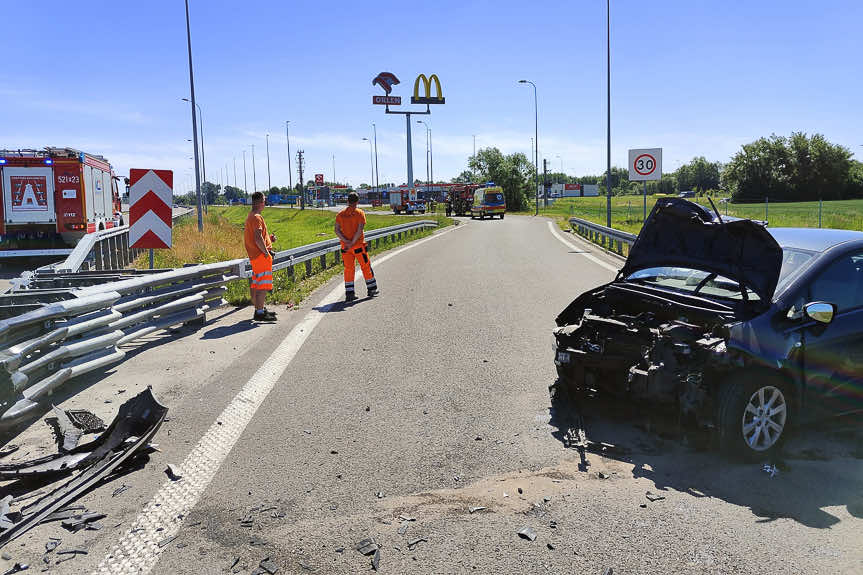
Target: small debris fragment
[(333, 452), (307, 431), (553, 524), (79, 522), (475, 509), (608, 571), (376, 559), (771, 469), (267, 565), (403, 529), (414, 542), (505, 494), (173, 473), (340, 549), (520, 491), (166, 541), (9, 450), (407, 518), (603, 475), (234, 564), (527, 533), (120, 490), (368, 408), (257, 541), (367, 546), (76, 551), (546, 498), (477, 438), (550, 546), (85, 420), (642, 505), (16, 568), (653, 496), (6, 556), (380, 494)]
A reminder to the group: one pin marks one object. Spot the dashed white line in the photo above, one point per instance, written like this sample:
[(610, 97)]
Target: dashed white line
[(570, 244), (138, 550)]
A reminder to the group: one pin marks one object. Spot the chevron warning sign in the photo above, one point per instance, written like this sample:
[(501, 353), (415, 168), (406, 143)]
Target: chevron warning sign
[(150, 200)]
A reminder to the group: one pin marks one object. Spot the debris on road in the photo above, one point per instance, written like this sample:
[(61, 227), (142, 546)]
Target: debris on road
[(603, 475), (17, 568), (173, 473), (9, 450), (376, 559), (414, 542), (527, 533), (82, 521), (407, 518), (234, 564), (6, 556), (76, 551), (120, 490), (86, 421), (771, 469), (66, 434), (550, 546), (380, 494), (136, 423), (52, 544), (266, 566), (475, 509), (367, 546), (653, 496), (403, 529), (5, 522), (166, 541), (520, 491)]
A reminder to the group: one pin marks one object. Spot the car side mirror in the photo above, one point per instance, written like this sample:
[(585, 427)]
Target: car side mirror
[(820, 311)]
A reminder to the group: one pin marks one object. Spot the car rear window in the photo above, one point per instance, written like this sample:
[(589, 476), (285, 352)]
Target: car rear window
[(493, 198)]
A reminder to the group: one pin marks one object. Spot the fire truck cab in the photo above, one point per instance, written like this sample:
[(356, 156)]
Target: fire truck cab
[(53, 197)]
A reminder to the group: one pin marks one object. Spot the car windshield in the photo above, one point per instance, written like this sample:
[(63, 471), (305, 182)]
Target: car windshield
[(493, 198), (691, 280)]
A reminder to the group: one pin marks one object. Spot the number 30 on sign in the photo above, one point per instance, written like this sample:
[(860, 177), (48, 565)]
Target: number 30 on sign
[(645, 164)]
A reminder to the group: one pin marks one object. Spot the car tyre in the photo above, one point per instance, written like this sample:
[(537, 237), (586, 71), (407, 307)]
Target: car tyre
[(753, 417), (501, 216)]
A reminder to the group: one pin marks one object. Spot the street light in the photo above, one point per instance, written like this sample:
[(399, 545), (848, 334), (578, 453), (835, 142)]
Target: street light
[(428, 157), (203, 153), (608, 126), (371, 164), (536, 129), (194, 120), (254, 170), (377, 177), (269, 182)]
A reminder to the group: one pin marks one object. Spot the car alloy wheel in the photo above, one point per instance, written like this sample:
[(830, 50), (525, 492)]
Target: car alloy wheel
[(764, 418)]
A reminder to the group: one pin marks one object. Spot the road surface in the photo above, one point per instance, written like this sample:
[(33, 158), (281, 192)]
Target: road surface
[(299, 439)]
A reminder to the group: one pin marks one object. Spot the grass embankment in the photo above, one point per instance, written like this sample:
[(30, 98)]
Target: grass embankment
[(222, 240), (626, 212)]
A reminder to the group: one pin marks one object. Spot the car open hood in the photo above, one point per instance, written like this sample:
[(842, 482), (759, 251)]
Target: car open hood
[(680, 233)]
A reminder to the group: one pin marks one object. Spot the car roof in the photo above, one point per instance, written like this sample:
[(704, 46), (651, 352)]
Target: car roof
[(812, 239)]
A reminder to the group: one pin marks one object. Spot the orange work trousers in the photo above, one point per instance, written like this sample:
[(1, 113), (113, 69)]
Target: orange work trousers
[(359, 254)]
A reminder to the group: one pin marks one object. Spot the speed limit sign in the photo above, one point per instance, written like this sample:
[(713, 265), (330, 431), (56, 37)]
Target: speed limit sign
[(645, 164)]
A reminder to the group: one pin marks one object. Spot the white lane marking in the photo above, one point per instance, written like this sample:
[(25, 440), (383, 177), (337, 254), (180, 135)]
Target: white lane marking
[(569, 244), (138, 550)]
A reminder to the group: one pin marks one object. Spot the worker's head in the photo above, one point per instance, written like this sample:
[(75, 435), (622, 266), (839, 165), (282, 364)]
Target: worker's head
[(353, 198), (257, 200)]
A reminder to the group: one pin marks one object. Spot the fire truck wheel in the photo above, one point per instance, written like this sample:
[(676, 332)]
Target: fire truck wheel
[(501, 216)]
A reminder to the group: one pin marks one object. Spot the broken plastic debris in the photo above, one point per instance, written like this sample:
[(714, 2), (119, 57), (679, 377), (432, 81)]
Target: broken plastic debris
[(771, 469), (403, 529), (268, 566), (527, 533), (414, 542), (173, 473), (653, 496), (380, 494), (550, 546), (166, 541), (367, 546), (376, 559), (120, 490), (603, 475), (475, 509), (407, 518)]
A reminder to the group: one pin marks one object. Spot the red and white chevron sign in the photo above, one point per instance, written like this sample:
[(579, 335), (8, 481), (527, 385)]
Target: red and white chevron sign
[(150, 200)]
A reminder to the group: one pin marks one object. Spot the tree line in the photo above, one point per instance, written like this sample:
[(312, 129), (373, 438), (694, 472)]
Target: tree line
[(795, 168)]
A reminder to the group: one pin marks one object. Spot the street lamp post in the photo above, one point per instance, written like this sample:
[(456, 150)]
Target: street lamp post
[(288, 138), (269, 181), (377, 177), (334, 169), (371, 163), (203, 152), (608, 125), (536, 129), (245, 180), (254, 170), (194, 120), (428, 181)]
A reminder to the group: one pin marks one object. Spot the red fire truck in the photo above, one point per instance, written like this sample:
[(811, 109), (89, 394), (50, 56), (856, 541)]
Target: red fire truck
[(51, 198)]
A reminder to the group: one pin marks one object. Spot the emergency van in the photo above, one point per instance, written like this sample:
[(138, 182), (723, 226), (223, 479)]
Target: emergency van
[(53, 197), (488, 202)]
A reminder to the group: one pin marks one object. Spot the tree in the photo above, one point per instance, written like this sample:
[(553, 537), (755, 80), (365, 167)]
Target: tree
[(232, 193), (210, 192), (466, 177), (798, 168), (513, 173), (699, 175), (620, 183)]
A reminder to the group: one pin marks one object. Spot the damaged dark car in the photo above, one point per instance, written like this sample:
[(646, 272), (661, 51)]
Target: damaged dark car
[(740, 328)]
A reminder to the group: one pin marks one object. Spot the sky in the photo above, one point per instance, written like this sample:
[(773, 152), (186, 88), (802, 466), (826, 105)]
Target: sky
[(694, 77)]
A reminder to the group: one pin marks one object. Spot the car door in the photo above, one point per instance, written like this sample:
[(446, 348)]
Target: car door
[(833, 353)]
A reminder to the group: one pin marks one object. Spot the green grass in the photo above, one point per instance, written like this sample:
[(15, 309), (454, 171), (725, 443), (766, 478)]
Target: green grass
[(626, 212), (222, 240)]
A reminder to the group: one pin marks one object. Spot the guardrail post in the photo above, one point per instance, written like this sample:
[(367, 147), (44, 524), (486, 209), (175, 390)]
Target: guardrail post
[(377, 242), (620, 247), (308, 268), (97, 256), (324, 261), (291, 273)]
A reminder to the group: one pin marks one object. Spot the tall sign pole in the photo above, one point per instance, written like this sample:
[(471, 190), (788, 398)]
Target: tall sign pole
[(608, 104), (377, 178)]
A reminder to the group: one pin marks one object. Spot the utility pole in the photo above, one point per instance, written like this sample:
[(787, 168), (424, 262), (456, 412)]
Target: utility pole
[(288, 138), (608, 127), (269, 182), (194, 122), (254, 170), (545, 181), (302, 185), (334, 169), (235, 171)]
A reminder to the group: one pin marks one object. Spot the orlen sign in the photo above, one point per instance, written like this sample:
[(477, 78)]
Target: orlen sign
[(29, 193)]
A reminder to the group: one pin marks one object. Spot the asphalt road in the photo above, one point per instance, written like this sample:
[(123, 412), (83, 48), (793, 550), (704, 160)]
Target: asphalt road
[(297, 440)]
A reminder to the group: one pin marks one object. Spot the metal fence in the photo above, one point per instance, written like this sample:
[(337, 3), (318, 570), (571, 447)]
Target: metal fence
[(77, 323), (609, 238)]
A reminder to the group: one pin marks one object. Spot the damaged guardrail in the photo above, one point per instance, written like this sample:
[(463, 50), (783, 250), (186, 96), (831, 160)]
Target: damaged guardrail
[(82, 327), (609, 238)]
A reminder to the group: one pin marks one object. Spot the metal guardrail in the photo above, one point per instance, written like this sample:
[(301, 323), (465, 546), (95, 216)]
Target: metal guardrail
[(83, 327), (609, 238)]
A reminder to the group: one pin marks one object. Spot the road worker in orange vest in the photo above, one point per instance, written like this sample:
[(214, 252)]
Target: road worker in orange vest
[(259, 246), (349, 229)]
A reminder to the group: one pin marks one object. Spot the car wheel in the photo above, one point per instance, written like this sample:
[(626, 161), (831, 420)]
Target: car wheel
[(753, 418), (501, 216)]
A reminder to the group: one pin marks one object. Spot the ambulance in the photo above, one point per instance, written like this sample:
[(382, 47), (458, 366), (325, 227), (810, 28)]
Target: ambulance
[(488, 201), (53, 197)]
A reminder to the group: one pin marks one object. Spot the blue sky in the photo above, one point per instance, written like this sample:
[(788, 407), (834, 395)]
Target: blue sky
[(693, 77)]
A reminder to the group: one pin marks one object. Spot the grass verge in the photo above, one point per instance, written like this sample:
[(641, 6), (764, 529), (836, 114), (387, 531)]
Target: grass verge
[(222, 239)]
